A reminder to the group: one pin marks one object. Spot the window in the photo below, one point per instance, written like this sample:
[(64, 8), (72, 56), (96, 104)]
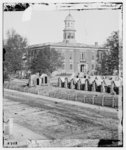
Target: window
[(63, 66), (72, 36), (83, 56), (64, 36), (101, 56), (67, 41), (92, 57), (92, 66), (71, 66), (70, 56)]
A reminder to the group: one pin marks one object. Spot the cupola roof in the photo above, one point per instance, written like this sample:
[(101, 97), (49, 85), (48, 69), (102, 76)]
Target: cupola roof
[(69, 17)]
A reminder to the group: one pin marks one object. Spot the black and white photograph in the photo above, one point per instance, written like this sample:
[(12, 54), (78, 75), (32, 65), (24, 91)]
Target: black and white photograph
[(62, 74)]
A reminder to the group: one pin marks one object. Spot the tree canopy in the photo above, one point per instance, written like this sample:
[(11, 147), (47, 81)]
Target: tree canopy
[(46, 61), (110, 61), (13, 50)]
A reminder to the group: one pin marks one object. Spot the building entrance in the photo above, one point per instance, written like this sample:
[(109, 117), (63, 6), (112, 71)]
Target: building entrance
[(82, 68)]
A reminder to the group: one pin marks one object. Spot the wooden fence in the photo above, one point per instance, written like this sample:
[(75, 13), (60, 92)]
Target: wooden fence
[(108, 101)]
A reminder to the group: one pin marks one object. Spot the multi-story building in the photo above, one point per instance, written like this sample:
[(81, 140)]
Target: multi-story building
[(78, 57)]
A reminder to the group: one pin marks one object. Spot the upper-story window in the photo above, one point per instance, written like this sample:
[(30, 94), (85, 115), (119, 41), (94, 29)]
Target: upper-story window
[(32, 52), (93, 67), (71, 66), (82, 57), (70, 56), (72, 35), (67, 41), (100, 55), (92, 57), (63, 65), (64, 36)]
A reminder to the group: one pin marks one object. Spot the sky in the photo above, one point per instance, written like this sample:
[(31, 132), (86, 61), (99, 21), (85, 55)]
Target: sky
[(40, 26)]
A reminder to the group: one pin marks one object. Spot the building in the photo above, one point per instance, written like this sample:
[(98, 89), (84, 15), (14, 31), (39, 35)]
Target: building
[(78, 57)]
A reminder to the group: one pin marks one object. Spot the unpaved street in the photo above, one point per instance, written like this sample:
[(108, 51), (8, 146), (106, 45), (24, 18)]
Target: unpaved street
[(55, 120)]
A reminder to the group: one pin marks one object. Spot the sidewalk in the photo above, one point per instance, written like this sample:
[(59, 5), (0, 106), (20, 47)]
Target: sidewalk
[(80, 104)]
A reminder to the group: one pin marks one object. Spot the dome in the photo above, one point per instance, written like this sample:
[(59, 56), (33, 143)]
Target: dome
[(69, 18)]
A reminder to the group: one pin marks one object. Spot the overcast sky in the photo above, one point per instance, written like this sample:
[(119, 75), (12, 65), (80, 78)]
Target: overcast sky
[(40, 26)]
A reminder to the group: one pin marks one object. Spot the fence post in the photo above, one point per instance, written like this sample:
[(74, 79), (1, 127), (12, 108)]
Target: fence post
[(68, 96), (93, 99), (84, 99), (76, 96), (54, 94), (57, 94), (103, 100), (61, 95), (113, 102)]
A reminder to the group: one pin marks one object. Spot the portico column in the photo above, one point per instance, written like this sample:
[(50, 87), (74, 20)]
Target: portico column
[(78, 67), (86, 68)]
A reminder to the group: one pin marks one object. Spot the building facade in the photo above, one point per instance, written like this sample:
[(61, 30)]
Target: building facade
[(78, 57)]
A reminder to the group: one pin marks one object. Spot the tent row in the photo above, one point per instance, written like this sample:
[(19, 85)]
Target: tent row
[(91, 84)]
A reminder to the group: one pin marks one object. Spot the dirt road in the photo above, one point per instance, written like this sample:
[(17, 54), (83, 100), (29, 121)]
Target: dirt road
[(55, 120)]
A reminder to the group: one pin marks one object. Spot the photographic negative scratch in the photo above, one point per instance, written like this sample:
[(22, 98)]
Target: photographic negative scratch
[(15, 6), (63, 6)]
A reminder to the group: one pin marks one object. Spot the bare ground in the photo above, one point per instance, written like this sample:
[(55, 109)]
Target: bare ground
[(61, 121)]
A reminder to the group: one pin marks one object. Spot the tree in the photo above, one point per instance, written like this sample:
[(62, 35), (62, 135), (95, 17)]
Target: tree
[(46, 61), (110, 61), (4, 52), (14, 47), (55, 60)]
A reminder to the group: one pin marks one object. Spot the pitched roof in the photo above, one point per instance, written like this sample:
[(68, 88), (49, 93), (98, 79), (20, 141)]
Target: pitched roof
[(63, 44)]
